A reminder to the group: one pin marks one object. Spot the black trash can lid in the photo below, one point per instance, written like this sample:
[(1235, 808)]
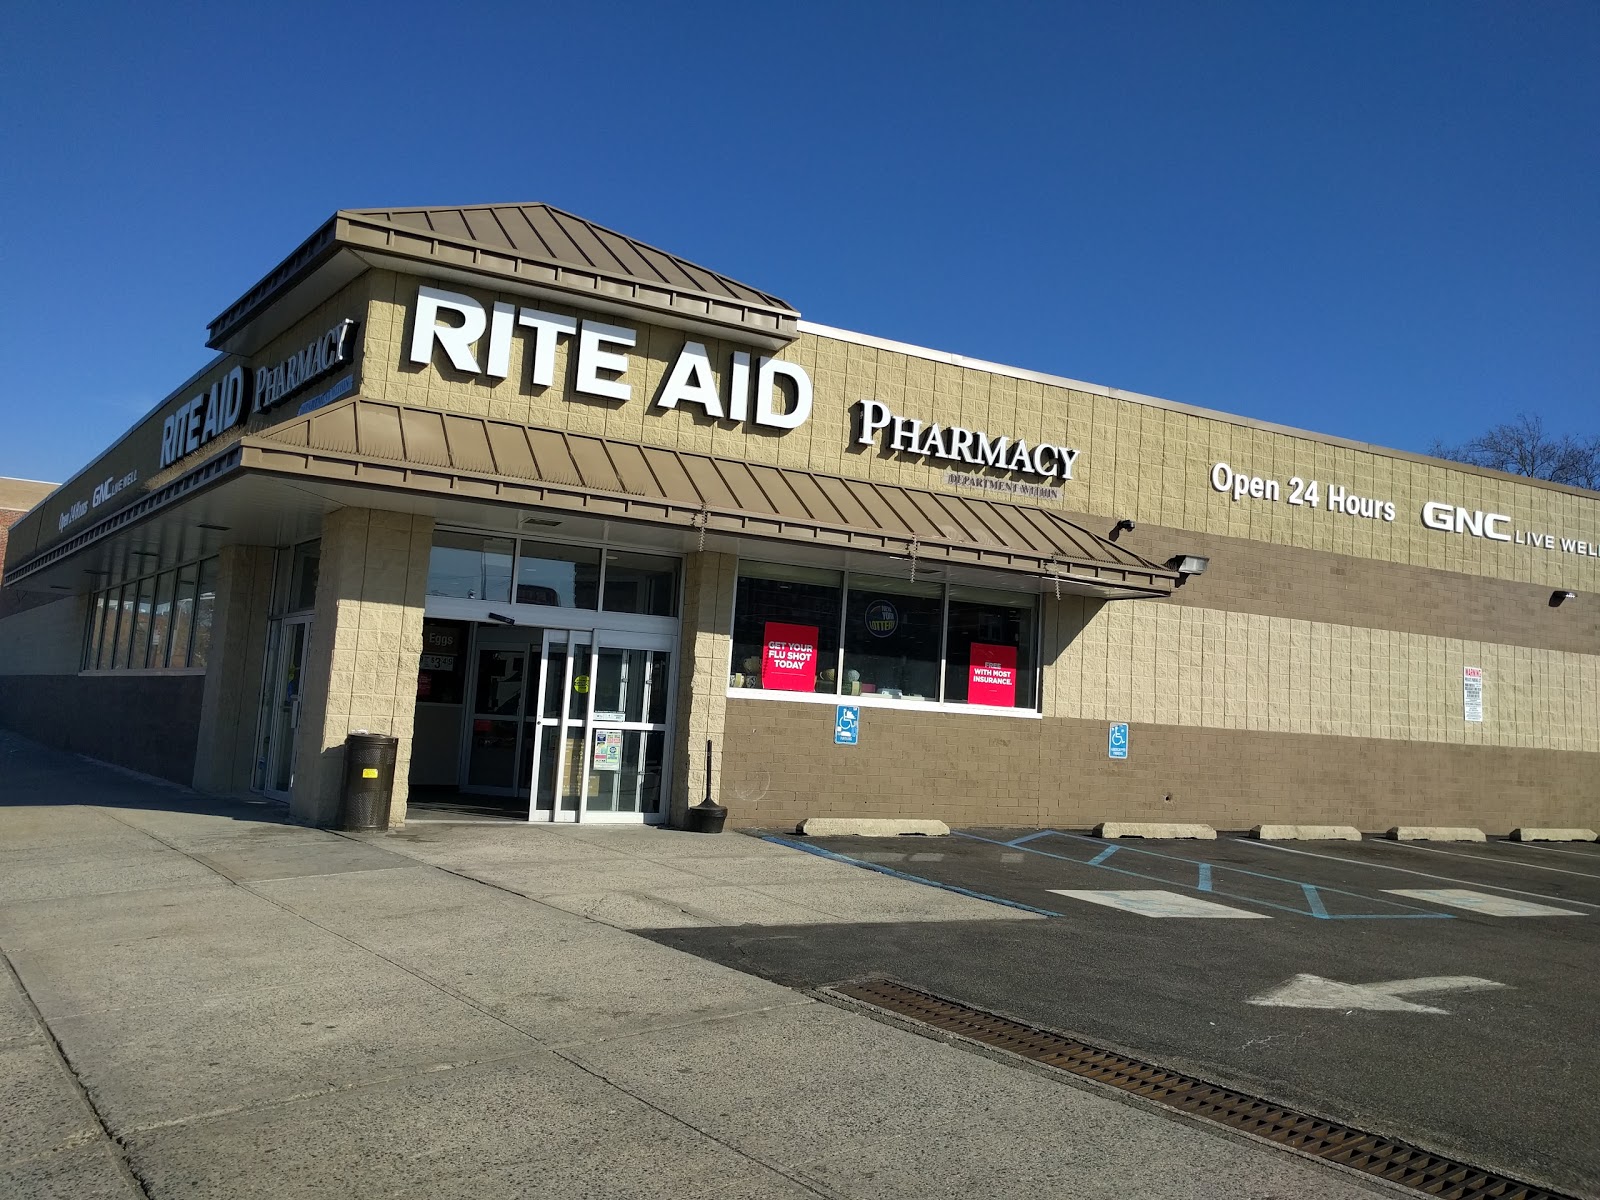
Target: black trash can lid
[(373, 739)]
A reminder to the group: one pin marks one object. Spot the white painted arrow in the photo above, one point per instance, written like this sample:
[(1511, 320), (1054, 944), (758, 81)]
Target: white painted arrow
[(1313, 991)]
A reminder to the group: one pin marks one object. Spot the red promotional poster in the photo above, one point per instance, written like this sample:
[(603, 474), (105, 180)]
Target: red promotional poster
[(789, 662), (992, 678)]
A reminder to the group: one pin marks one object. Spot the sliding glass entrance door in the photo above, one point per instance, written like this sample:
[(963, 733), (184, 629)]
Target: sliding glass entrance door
[(599, 745)]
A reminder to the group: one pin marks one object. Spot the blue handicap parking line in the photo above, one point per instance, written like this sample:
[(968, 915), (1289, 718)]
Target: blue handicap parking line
[(1313, 894)]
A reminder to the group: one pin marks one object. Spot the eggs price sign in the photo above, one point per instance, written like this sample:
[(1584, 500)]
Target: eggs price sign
[(1302, 493)]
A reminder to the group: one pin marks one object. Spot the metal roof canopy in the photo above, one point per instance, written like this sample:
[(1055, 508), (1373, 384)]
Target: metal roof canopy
[(534, 247), (386, 445), (273, 487)]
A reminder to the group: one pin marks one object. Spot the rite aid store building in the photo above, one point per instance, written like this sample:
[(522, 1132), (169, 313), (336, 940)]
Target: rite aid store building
[(554, 508)]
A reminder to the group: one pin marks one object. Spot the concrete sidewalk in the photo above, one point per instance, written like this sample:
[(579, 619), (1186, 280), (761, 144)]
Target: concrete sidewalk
[(198, 1000)]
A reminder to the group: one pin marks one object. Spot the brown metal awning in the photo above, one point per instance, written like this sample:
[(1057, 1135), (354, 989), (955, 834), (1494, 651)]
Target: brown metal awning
[(531, 245), (380, 444)]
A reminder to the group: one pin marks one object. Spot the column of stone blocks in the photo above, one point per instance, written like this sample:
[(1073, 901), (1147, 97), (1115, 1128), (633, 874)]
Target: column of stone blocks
[(230, 706), (703, 648), (366, 638)]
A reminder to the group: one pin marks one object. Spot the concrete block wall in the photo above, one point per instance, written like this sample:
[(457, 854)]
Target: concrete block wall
[(1203, 668), (226, 742), (1143, 459), (361, 663), (44, 636), (703, 648), (974, 771), (1312, 624)]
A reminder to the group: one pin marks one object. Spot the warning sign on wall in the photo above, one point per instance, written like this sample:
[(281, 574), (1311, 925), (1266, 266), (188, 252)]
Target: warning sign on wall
[(1472, 692)]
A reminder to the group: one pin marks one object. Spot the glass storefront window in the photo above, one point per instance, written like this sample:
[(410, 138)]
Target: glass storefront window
[(786, 628), (557, 576), (442, 670), (161, 620), (470, 566), (139, 648), (989, 648), (119, 649), (303, 573), (641, 583), (97, 624), (903, 641), (204, 609), (150, 623), (892, 638), (183, 615)]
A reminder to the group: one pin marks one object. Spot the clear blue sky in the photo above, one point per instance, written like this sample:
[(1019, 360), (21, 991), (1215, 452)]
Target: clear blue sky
[(1369, 219)]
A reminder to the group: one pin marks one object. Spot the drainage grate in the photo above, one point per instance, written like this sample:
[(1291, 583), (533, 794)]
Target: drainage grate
[(1383, 1157)]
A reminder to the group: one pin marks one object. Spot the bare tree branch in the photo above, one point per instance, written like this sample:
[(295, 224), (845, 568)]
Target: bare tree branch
[(1522, 447)]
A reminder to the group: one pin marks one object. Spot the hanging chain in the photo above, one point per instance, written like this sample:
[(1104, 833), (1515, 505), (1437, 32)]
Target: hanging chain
[(702, 519), (915, 549)]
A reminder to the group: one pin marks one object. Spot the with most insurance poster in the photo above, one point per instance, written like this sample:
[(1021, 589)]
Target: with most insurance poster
[(789, 657), (992, 677)]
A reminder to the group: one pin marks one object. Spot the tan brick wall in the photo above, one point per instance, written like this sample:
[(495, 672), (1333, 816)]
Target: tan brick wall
[(1171, 665), (226, 743), (8, 518), (1310, 624), (703, 649), (781, 766), (366, 637), (1143, 460), (1341, 589)]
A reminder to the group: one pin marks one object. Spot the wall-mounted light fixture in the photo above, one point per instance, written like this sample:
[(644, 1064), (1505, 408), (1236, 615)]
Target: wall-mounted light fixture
[(502, 619), (1557, 597), (545, 521), (1121, 527), (213, 527), (1188, 564)]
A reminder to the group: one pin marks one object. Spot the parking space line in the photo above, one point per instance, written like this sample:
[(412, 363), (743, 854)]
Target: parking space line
[(1589, 854), (1315, 907), (882, 870), (1482, 902), (1482, 858), (1356, 862), (1154, 902)]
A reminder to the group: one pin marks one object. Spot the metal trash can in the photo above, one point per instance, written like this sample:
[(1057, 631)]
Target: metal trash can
[(368, 788)]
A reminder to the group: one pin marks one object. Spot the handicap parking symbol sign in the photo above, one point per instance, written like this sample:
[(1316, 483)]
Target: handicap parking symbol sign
[(847, 725), (1118, 747)]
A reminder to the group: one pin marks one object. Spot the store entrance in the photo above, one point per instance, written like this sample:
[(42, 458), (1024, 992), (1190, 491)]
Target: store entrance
[(280, 706), (551, 724)]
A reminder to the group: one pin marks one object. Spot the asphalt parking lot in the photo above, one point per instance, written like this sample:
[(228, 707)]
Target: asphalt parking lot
[(1441, 993)]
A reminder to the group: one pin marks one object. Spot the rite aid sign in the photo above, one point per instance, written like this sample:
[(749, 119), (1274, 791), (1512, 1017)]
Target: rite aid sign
[(602, 364)]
